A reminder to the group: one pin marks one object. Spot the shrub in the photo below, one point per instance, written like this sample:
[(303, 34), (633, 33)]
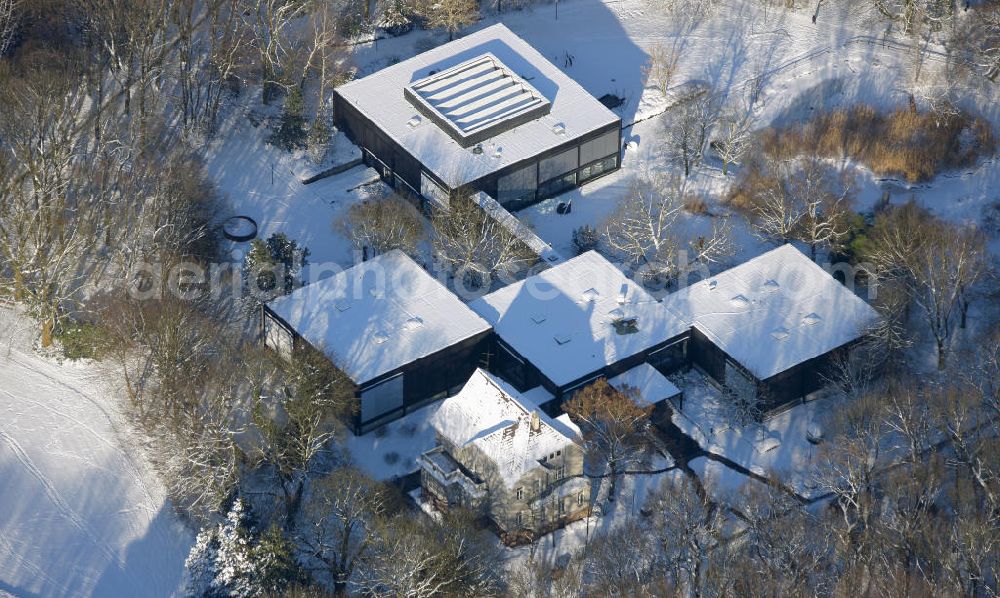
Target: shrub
[(82, 341), (695, 205), (585, 238), (905, 142)]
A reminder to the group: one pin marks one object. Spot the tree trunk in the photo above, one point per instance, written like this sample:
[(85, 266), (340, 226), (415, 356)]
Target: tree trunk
[(941, 355)]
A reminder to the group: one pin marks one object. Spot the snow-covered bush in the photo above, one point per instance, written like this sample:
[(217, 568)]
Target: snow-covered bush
[(585, 238)]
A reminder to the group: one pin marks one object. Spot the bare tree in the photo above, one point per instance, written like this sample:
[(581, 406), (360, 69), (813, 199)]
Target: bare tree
[(979, 39), (659, 70), (421, 558), (735, 136), (686, 526), (618, 562), (614, 423), (647, 230), (9, 21), (474, 245), (450, 15), (937, 263), (380, 225), (297, 424), (270, 22), (687, 133), (343, 516), (52, 216), (804, 200)]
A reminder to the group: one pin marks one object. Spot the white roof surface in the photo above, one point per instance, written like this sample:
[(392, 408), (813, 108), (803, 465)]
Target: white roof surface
[(493, 416), (369, 327), (653, 387), (774, 311), (561, 319), (381, 98)]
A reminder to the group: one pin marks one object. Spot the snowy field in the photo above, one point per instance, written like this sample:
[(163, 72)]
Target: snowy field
[(83, 515)]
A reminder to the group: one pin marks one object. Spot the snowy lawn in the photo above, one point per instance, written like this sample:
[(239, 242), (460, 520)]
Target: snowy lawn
[(392, 450), (777, 447), (81, 513)]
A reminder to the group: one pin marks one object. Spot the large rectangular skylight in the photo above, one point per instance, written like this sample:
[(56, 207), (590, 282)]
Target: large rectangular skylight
[(477, 99)]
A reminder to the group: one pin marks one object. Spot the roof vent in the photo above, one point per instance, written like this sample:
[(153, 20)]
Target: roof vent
[(771, 285), (414, 121), (617, 313), (380, 337), (780, 333), (537, 318), (498, 152), (342, 307), (562, 339), (623, 294), (478, 149), (413, 323), (713, 284), (740, 301), (559, 129), (812, 319), (591, 294)]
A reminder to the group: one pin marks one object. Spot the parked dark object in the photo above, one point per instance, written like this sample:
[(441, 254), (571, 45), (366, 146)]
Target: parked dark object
[(564, 207)]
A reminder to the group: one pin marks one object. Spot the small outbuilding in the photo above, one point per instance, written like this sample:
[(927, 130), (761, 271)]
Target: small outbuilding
[(401, 336), (486, 112)]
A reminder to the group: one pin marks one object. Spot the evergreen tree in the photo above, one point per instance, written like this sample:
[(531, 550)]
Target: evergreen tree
[(234, 563), (274, 266), (277, 568), (200, 565), (291, 132)]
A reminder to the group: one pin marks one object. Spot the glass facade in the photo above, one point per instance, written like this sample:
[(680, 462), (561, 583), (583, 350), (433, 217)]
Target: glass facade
[(559, 164), (555, 174), (518, 184), (600, 148)]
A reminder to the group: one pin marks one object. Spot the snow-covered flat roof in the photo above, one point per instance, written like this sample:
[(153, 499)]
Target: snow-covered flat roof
[(571, 110), (493, 416), (653, 386), (378, 316), (774, 311), (563, 320)]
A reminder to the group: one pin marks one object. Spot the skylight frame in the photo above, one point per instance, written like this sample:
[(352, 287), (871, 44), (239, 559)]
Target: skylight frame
[(524, 106)]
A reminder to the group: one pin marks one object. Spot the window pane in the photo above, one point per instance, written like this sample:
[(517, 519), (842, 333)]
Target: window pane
[(603, 146), (550, 168), (383, 398), (557, 185), (433, 191), (517, 184)]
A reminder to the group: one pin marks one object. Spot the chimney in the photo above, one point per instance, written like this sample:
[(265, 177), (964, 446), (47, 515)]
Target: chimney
[(536, 423)]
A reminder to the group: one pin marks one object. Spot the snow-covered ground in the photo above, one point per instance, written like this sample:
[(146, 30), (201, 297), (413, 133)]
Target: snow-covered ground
[(392, 449), (82, 513)]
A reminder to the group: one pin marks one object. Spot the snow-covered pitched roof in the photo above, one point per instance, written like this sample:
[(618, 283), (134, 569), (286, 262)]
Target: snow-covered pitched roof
[(572, 111), (774, 311), (563, 319), (493, 416), (653, 387), (378, 316)]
